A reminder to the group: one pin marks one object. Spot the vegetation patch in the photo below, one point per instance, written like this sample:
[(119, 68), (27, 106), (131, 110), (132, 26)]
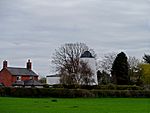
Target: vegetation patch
[(76, 105)]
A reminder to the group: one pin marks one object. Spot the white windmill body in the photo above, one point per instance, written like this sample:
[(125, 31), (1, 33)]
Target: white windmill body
[(90, 60)]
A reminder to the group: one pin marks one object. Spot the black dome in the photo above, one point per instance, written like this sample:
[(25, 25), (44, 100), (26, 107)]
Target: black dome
[(87, 54)]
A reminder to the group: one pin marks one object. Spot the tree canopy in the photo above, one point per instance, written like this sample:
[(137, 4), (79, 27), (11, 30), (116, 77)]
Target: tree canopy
[(68, 64), (146, 58), (146, 73), (106, 63), (120, 69)]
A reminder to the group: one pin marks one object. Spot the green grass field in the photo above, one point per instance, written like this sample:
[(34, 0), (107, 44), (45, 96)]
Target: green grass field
[(79, 105)]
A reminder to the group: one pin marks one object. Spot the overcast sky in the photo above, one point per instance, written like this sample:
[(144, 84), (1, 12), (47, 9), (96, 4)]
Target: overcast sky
[(33, 29)]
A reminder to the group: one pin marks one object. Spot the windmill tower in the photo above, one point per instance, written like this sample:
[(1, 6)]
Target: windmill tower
[(87, 57)]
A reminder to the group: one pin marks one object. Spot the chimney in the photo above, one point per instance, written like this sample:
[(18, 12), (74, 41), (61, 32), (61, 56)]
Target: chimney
[(4, 64), (29, 65)]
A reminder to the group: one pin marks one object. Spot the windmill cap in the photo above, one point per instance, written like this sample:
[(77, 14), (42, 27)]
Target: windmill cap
[(87, 54)]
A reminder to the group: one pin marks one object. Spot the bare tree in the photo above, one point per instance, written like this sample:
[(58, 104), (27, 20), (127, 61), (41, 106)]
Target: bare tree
[(133, 62), (67, 61), (85, 74), (135, 70), (106, 63)]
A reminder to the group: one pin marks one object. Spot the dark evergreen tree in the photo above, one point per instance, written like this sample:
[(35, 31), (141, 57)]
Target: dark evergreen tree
[(120, 70), (146, 58)]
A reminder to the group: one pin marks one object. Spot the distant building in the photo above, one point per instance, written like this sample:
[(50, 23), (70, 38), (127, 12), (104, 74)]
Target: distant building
[(86, 57), (53, 79), (16, 76)]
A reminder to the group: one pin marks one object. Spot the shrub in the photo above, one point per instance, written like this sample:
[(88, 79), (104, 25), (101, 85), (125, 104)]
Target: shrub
[(121, 93), (100, 87)]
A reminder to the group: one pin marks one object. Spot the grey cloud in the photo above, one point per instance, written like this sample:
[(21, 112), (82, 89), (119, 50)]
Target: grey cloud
[(35, 28)]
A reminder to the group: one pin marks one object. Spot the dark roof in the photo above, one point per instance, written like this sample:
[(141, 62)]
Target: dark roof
[(27, 83), (57, 75), (18, 83), (32, 83), (21, 71), (87, 54)]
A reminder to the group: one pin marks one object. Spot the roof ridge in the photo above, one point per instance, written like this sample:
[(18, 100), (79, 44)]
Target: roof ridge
[(17, 67), (21, 71)]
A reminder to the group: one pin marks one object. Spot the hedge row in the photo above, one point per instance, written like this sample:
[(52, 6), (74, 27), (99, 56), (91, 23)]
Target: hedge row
[(100, 87), (70, 93), (44, 92)]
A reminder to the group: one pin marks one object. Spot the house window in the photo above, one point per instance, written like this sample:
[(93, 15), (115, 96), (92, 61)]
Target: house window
[(31, 77), (18, 78)]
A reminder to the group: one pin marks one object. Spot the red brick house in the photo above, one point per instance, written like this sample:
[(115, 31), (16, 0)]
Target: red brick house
[(12, 75)]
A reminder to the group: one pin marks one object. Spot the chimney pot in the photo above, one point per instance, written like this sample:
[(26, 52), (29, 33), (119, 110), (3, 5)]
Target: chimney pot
[(5, 64), (29, 65)]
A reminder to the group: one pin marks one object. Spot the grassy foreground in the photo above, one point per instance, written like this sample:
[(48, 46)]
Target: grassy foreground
[(78, 105)]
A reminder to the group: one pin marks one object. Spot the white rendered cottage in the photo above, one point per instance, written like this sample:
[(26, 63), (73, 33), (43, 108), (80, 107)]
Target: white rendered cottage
[(53, 79)]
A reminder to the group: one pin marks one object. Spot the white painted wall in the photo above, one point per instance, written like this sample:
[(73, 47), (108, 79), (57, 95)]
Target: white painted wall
[(52, 80), (92, 64)]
